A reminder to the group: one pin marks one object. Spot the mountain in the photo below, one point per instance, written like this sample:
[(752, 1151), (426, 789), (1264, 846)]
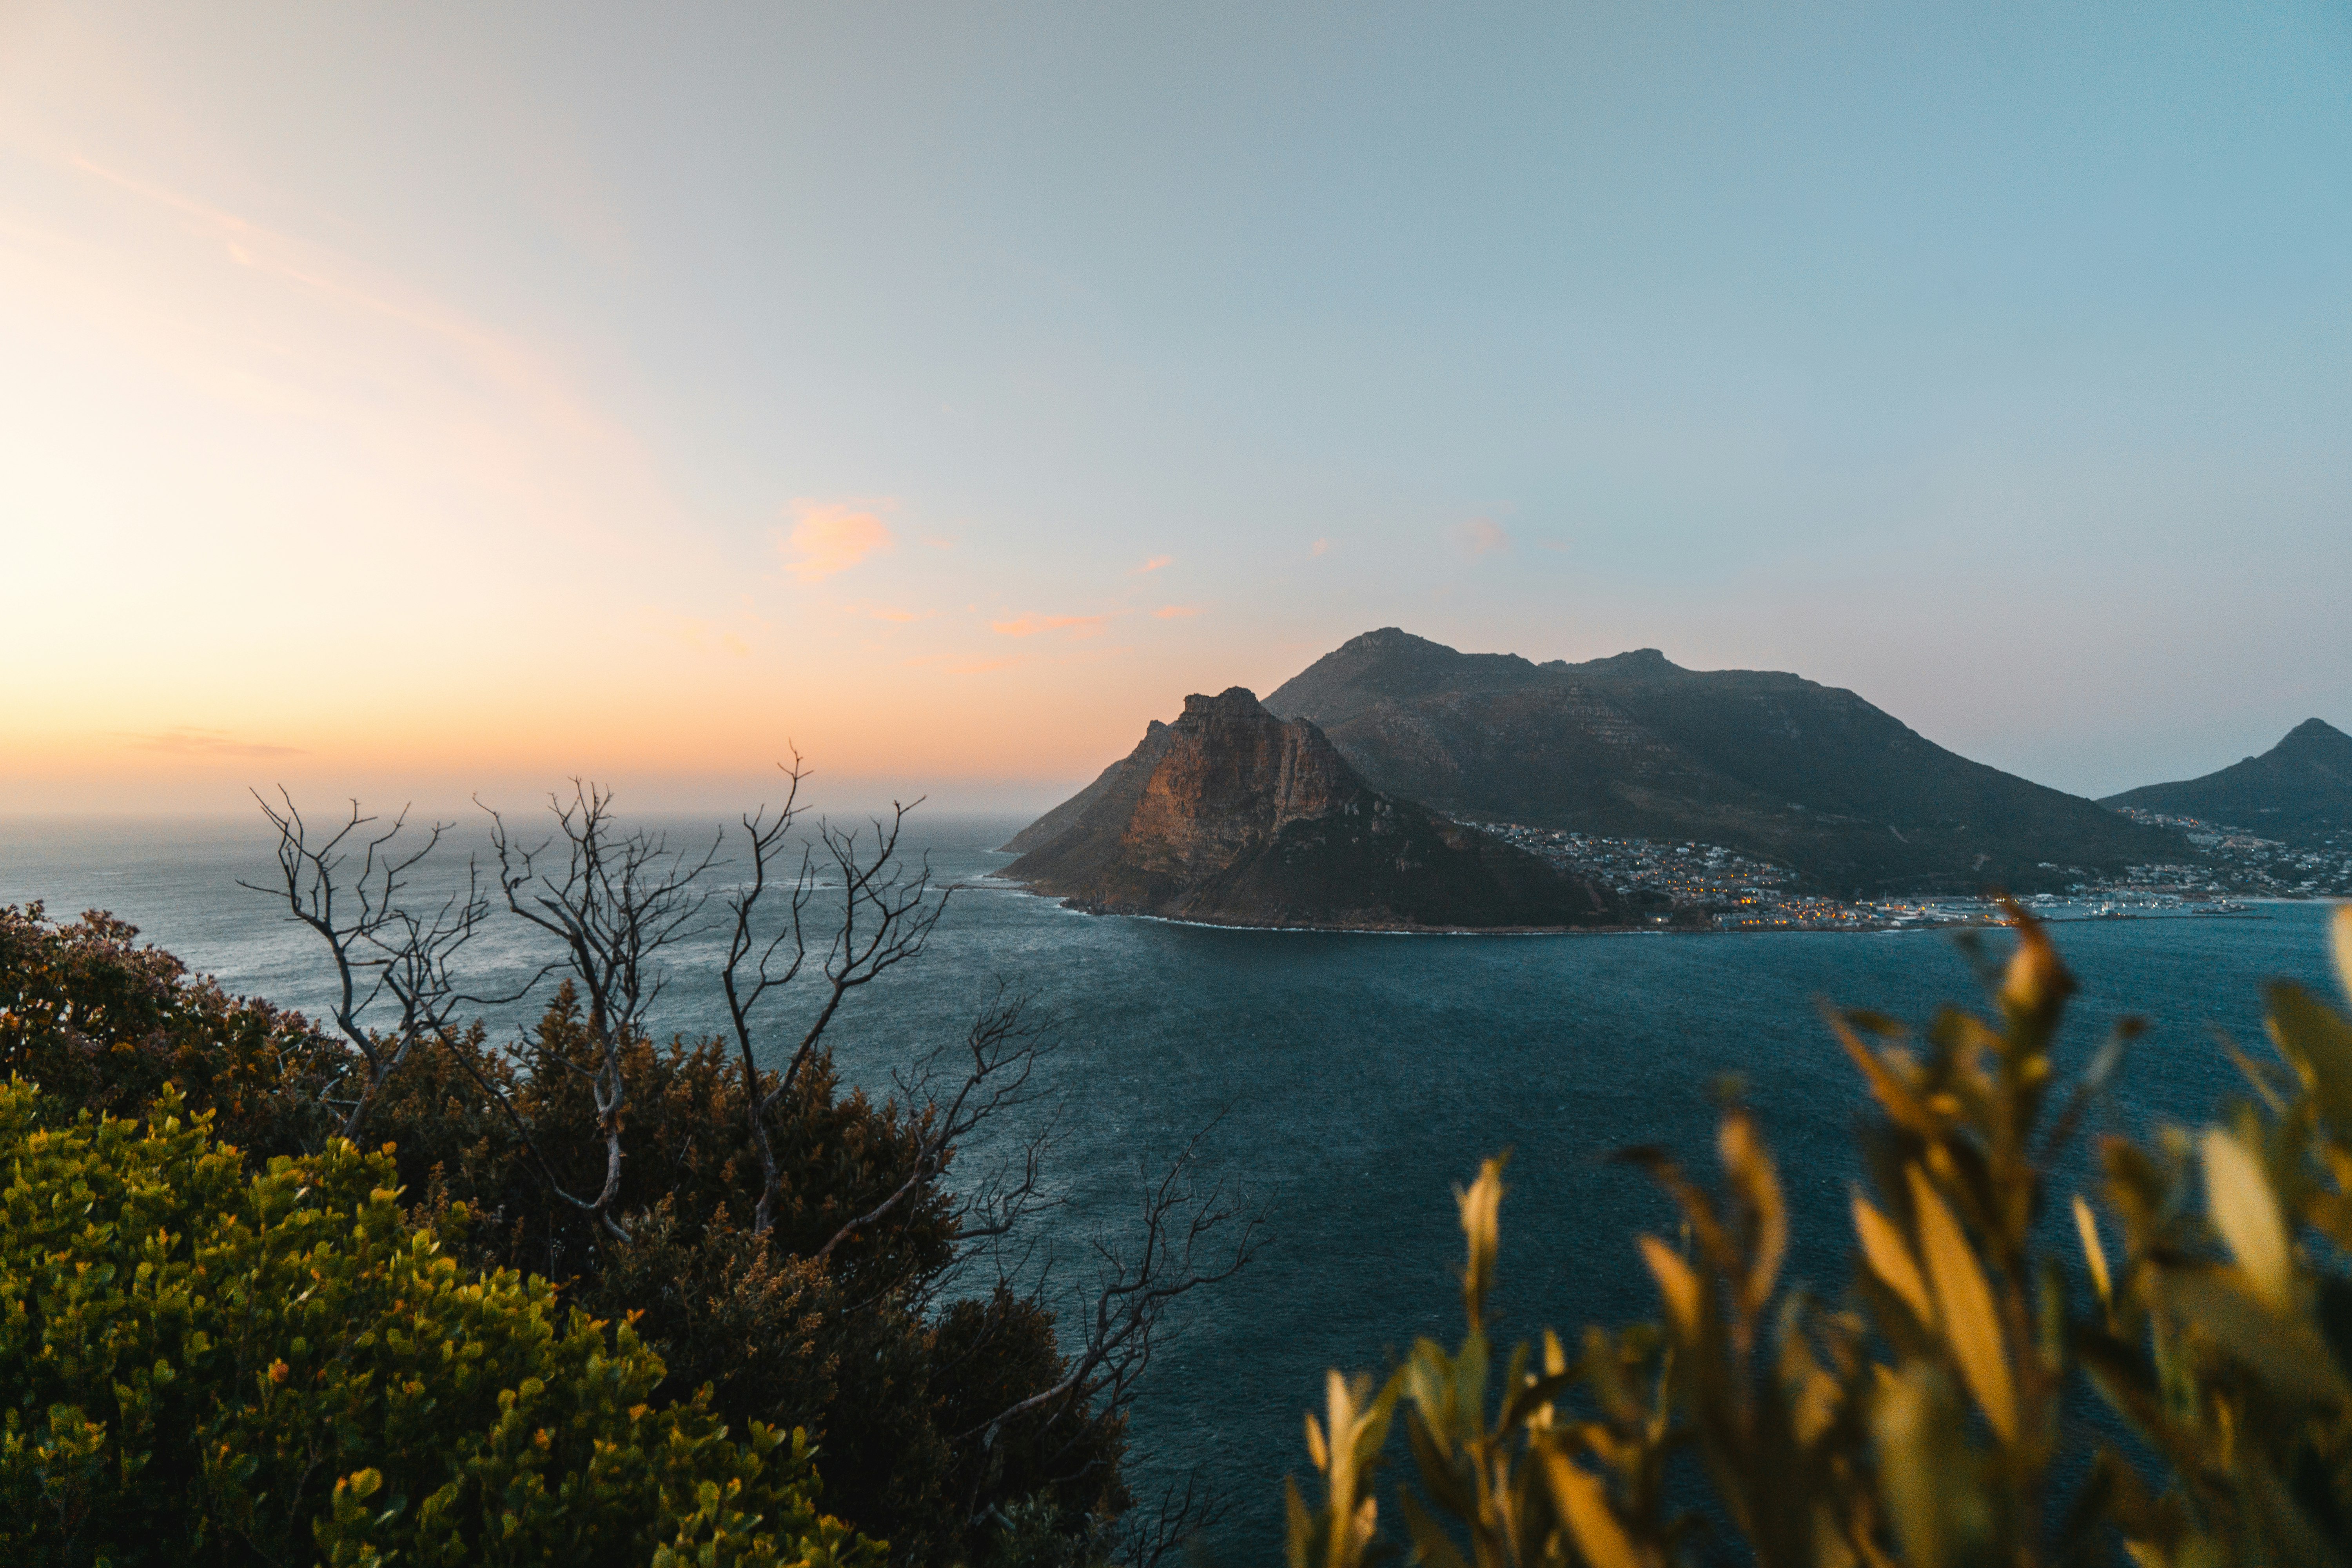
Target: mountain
[(2299, 789), (1235, 816), (1635, 746), (1123, 780)]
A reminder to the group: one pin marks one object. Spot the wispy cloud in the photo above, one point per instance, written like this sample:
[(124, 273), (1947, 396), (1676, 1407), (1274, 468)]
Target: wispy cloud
[(186, 740), (953, 664), (1322, 547), (887, 613), (830, 537), (366, 349), (1482, 536), (1175, 612), (1154, 564), (1030, 625)]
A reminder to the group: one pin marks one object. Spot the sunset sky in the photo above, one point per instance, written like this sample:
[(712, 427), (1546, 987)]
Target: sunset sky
[(424, 398)]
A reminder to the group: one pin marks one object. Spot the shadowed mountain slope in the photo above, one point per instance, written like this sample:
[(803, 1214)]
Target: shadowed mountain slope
[(1234, 816), (1771, 763), (2300, 788)]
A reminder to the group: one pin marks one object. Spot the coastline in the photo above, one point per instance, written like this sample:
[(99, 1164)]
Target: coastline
[(1004, 884), (1971, 921)]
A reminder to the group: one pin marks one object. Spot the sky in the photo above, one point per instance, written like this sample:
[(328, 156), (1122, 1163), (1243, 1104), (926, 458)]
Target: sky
[(422, 399)]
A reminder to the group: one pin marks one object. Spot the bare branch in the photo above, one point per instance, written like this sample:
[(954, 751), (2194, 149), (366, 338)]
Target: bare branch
[(887, 913), (613, 901), (1001, 1048), (1192, 1235), (379, 948), (744, 991), (1180, 1518)]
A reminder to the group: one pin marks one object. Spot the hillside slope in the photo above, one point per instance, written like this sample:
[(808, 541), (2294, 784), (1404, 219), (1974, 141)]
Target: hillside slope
[(1234, 816), (1771, 763), (2299, 789)]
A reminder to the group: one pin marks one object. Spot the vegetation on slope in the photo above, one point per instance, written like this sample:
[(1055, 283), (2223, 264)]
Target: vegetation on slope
[(204, 1365)]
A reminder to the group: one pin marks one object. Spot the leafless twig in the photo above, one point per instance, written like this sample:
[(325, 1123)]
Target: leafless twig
[(1193, 1235), (615, 901), (888, 913), (380, 949), (1183, 1516), (998, 1061)]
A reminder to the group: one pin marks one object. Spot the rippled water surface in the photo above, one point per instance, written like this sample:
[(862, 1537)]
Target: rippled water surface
[(1355, 1076)]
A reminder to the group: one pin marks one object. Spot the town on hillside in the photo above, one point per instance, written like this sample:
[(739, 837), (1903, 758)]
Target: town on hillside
[(1738, 892)]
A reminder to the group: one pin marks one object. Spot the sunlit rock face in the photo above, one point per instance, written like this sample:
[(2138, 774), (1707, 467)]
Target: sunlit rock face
[(1234, 777), (1232, 815)]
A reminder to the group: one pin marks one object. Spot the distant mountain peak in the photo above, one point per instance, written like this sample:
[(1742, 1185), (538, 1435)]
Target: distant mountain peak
[(1640, 660), (1233, 703), (2315, 729), (2302, 787)]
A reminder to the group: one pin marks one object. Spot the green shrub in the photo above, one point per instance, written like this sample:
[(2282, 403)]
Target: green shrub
[(199, 1364), (102, 1023), (856, 1348), (1923, 1420)]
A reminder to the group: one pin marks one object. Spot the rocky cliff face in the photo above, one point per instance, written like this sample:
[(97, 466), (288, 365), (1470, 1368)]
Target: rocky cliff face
[(1230, 815), (1232, 775)]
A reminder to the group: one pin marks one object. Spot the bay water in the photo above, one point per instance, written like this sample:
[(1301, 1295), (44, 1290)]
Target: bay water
[(1346, 1082)]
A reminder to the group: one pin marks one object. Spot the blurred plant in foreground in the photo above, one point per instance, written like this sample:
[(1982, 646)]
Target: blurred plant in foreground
[(1924, 1420)]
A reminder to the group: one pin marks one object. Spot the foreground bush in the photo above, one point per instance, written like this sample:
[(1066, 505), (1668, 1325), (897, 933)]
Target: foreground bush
[(1926, 1420), (203, 1365), (103, 1024), (901, 1389)]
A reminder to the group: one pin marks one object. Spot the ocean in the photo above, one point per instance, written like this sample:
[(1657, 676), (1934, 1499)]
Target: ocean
[(1347, 1081)]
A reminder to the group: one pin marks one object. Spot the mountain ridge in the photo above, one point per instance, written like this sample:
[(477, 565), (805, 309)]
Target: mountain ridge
[(1768, 762)]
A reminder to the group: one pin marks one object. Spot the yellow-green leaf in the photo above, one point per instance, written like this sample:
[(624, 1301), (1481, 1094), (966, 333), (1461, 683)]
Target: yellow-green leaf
[(2339, 931), (1583, 1502), (2086, 1225), (1481, 1206), (1889, 1256), (2239, 1200), (1677, 1284), (1964, 1304), (1749, 1165)]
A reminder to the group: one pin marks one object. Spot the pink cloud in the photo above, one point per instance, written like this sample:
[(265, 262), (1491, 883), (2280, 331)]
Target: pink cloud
[(1154, 564), (955, 666), (1482, 536), (1322, 547), (1175, 612), (828, 537), (1029, 625)]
